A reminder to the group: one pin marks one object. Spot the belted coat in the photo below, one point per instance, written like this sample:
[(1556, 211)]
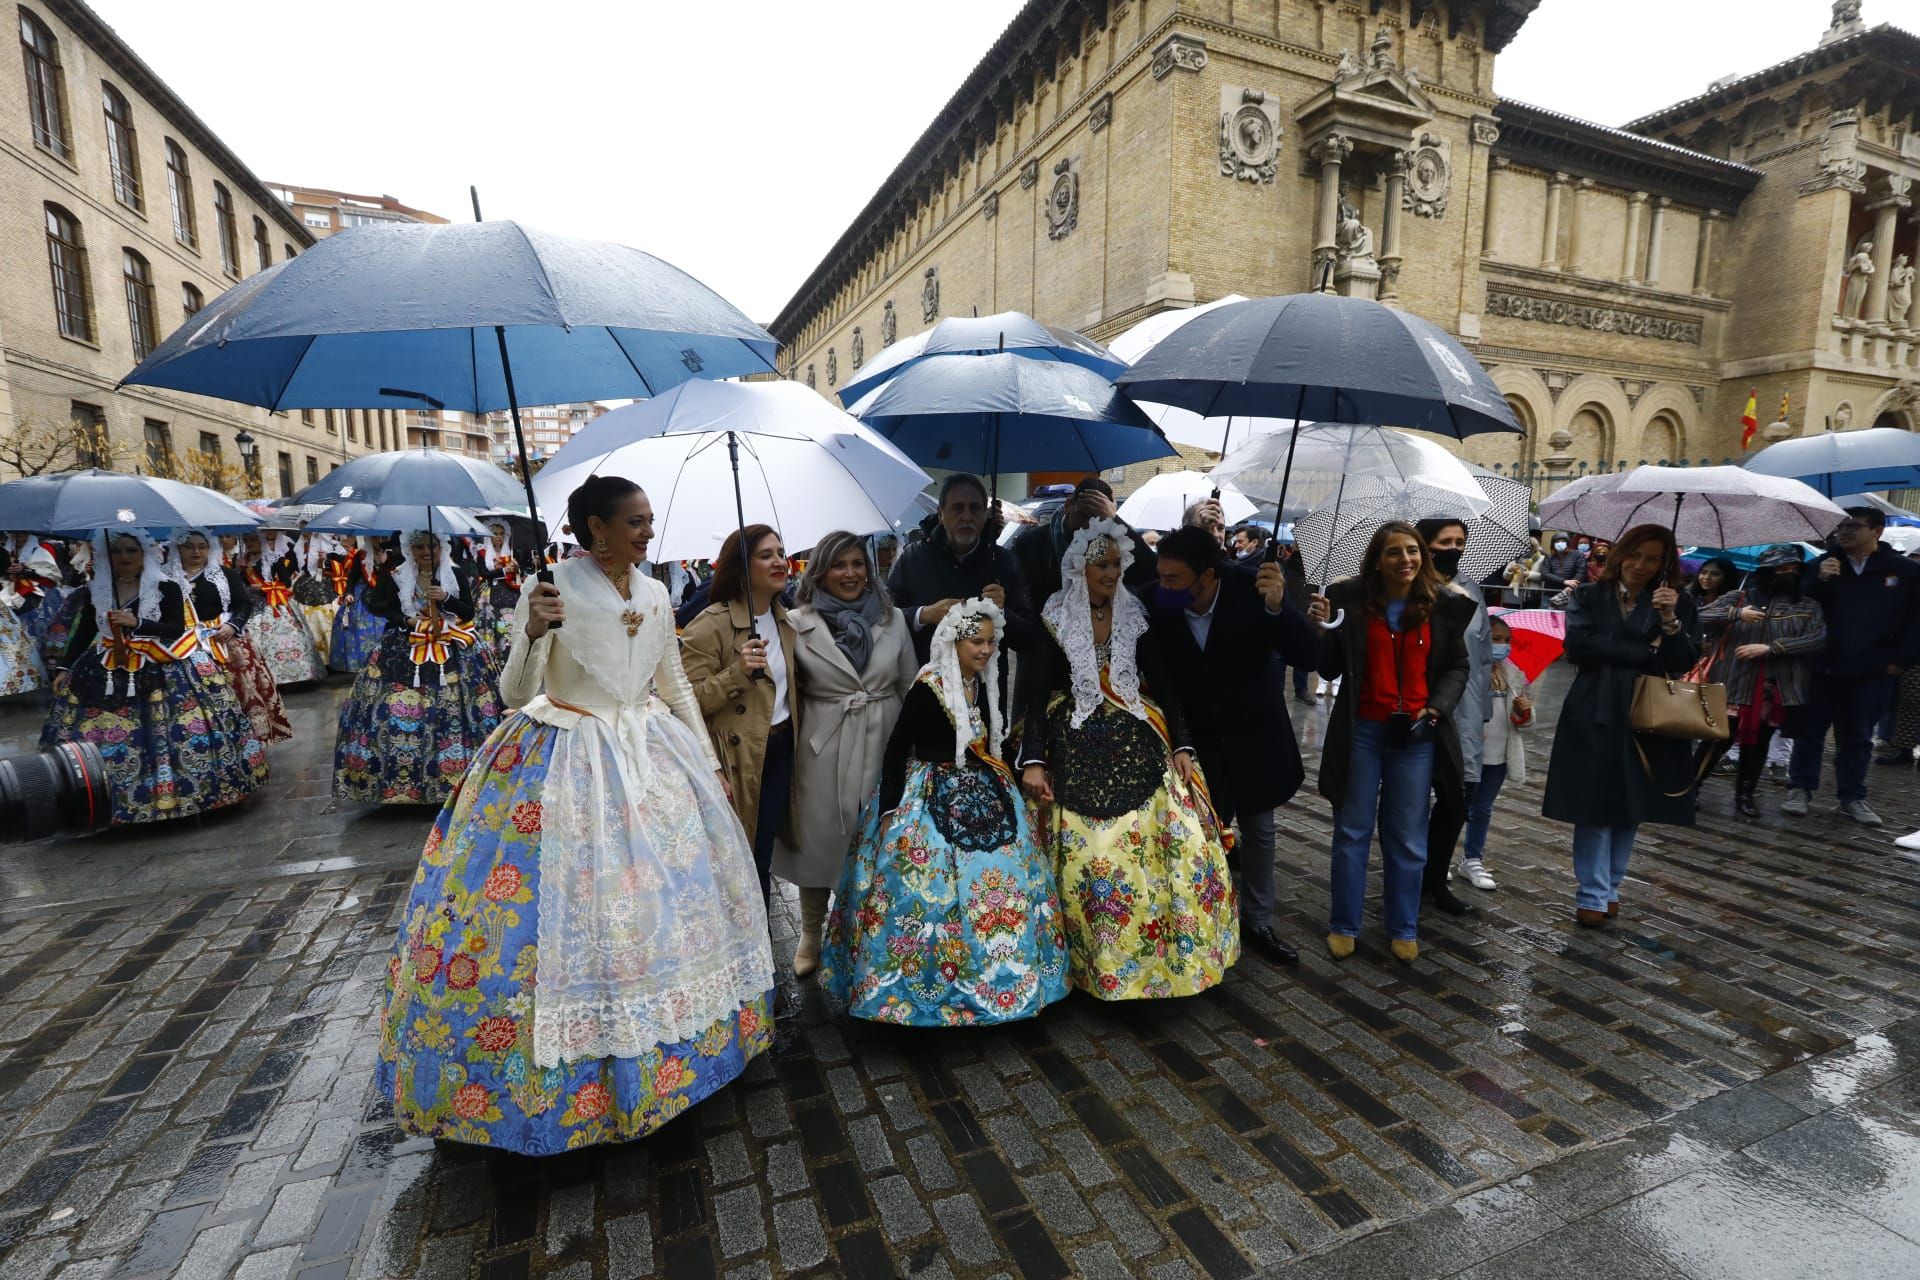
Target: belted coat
[(847, 717), (738, 709)]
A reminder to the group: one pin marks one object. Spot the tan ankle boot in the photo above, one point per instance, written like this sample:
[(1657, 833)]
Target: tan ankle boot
[(813, 914)]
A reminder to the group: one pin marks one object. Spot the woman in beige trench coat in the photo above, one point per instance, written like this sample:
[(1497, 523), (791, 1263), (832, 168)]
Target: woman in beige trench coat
[(754, 722), (856, 664)]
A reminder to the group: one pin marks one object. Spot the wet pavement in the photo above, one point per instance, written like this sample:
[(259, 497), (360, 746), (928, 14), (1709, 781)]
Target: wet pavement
[(1728, 1083)]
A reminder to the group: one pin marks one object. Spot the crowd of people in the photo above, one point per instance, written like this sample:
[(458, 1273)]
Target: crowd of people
[(1005, 770)]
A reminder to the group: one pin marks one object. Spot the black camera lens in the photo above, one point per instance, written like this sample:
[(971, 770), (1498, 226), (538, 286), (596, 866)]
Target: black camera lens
[(57, 791)]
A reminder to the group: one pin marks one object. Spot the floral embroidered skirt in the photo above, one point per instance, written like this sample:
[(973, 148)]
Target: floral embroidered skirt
[(493, 615), (48, 622), (178, 745), (946, 912), (457, 1040), (20, 667), (403, 742), (281, 637), (356, 634), (252, 683)]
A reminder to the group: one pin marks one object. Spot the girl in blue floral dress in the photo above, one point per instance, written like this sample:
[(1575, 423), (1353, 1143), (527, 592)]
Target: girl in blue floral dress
[(358, 628), (946, 914), (429, 696), (585, 953)]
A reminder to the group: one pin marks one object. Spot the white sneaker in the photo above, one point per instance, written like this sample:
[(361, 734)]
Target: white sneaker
[(1909, 841), (1476, 873)]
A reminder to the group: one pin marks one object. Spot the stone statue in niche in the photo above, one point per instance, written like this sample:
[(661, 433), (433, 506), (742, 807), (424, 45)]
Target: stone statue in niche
[(930, 295), (1843, 416), (811, 384), (1429, 176), (833, 366), (1899, 291), (859, 352), (889, 324), (1853, 301), (1351, 237), (1063, 200), (1249, 134)]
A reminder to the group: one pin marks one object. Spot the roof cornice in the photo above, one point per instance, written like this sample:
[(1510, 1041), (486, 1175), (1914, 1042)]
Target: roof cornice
[(1886, 41), (1545, 139)]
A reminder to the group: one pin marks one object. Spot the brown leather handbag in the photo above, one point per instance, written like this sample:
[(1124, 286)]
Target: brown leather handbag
[(1674, 707)]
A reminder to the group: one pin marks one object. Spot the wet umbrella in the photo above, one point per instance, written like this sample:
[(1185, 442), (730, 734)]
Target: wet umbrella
[(370, 518), (417, 477), (1708, 506), (73, 504), (978, 335), (1184, 426), (1539, 637), (1333, 539), (1162, 502), (1840, 462)]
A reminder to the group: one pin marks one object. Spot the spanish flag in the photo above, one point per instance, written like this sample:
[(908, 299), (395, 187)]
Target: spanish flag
[(1750, 419)]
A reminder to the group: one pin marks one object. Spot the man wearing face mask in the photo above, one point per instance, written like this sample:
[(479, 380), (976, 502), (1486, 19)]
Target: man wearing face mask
[(1564, 566), (1038, 550), (1446, 540)]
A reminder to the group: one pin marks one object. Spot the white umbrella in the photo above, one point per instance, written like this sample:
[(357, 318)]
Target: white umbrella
[(1331, 455), (1333, 539), (1845, 461), (1184, 426), (1162, 502), (714, 456), (1704, 506)]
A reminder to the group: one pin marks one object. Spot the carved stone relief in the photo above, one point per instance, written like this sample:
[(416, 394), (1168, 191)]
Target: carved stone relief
[(1029, 174), (1063, 200), (1100, 115), (1601, 319), (1429, 176), (889, 324), (930, 295), (990, 205), (833, 366), (859, 348), (1843, 416), (812, 384), (1249, 134), (1179, 52)]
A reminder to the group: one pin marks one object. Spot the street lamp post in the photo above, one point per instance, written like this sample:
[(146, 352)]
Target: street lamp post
[(249, 460)]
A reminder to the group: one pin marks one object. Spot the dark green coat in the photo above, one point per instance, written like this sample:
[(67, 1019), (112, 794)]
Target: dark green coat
[(1595, 776)]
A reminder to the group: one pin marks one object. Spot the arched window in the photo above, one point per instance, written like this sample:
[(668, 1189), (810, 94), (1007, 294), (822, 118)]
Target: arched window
[(67, 256), (191, 300), (123, 151), (262, 247), (229, 231), (138, 278), (46, 89), (180, 193)]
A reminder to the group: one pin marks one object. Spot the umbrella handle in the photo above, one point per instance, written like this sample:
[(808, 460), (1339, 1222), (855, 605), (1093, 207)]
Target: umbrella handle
[(1334, 624)]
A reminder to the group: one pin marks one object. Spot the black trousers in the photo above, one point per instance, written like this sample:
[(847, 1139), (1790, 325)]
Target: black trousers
[(1444, 825), (776, 785)]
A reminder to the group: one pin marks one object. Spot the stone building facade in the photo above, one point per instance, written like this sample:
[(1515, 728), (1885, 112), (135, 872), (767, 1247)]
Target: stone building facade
[(1627, 288), (120, 214)]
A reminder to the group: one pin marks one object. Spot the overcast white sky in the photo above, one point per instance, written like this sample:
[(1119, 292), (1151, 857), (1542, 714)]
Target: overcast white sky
[(738, 138)]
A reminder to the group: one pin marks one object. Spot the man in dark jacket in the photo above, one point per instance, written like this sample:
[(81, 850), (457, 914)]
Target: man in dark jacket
[(1038, 550), (1564, 567), (1227, 634), (1871, 596), (956, 562)]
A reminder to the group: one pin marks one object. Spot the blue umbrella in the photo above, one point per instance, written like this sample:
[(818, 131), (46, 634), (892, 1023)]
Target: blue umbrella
[(360, 518), (73, 504), (1838, 462), (417, 477), (978, 335), (989, 413)]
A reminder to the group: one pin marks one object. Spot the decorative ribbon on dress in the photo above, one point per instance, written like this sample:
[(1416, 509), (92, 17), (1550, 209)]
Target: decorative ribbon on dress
[(120, 651), (433, 639)]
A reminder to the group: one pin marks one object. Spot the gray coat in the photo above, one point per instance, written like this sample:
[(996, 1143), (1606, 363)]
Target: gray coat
[(1793, 629), (1476, 703)]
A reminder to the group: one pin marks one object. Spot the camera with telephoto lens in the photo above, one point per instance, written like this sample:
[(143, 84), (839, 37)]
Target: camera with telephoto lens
[(57, 791)]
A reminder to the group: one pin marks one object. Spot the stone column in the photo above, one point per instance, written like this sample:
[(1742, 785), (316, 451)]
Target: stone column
[(1550, 234), (1390, 215), (1497, 167), (1703, 256), (1574, 205), (1330, 151), (1630, 252), (1656, 229), (1886, 215)]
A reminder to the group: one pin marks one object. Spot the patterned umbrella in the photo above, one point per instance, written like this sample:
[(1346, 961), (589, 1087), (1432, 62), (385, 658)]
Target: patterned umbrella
[(1539, 637)]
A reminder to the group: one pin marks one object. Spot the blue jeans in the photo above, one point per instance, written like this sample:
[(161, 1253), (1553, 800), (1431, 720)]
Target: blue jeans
[(1851, 708), (1480, 811), (1395, 786), (1600, 862)]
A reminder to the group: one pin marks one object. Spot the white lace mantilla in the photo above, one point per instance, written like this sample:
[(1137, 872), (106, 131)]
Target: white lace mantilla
[(406, 576), (942, 673), (1068, 614)]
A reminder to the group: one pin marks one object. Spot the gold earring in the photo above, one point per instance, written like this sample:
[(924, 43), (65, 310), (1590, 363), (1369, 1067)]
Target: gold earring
[(599, 546)]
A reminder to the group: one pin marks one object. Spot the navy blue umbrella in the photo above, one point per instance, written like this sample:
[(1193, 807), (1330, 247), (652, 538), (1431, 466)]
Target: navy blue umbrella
[(417, 477), (367, 518), (977, 335), (1004, 412), (74, 504)]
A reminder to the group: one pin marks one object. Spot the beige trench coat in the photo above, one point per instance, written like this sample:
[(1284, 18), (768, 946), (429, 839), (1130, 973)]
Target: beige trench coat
[(849, 716), (738, 711)]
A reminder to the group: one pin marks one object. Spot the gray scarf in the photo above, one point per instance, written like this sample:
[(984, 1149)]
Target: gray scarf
[(851, 623)]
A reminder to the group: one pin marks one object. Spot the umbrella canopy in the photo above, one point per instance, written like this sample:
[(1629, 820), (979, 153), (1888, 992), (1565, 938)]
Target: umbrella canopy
[(1003, 412), (370, 518), (1539, 637), (1316, 460), (1185, 426), (395, 317), (1333, 539), (804, 467), (1707, 506), (1162, 502), (417, 477), (1839, 462), (73, 504), (1323, 358), (1010, 331)]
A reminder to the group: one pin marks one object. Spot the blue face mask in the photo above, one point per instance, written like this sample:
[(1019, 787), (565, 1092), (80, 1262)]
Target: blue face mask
[(1169, 598), (1500, 651)]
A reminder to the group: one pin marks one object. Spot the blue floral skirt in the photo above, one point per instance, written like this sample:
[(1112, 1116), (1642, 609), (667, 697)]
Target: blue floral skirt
[(20, 667), (456, 1041), (178, 745), (407, 743), (946, 913), (49, 621), (357, 632)]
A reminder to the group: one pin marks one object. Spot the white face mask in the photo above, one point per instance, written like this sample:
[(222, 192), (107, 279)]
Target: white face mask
[(1560, 544)]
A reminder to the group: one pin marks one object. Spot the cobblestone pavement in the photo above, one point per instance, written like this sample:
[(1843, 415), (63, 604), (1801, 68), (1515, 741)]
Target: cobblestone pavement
[(187, 1018)]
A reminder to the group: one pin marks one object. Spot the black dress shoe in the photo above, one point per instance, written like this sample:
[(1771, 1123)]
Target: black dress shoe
[(1744, 806), (1264, 940), (1444, 899)]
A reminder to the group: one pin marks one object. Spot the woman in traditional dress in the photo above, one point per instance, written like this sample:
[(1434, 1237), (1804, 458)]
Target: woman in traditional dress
[(277, 628), (174, 744), (21, 670), (221, 608), (497, 585), (358, 629), (34, 583), (430, 694), (584, 954), (946, 912), (855, 661), (314, 589), (1149, 903)]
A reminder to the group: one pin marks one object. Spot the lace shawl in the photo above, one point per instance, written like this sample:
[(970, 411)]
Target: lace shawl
[(1068, 614), (210, 571), (272, 547), (406, 577), (152, 574), (942, 673)]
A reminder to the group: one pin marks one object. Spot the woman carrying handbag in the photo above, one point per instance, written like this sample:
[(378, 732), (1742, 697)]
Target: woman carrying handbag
[(1604, 778)]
